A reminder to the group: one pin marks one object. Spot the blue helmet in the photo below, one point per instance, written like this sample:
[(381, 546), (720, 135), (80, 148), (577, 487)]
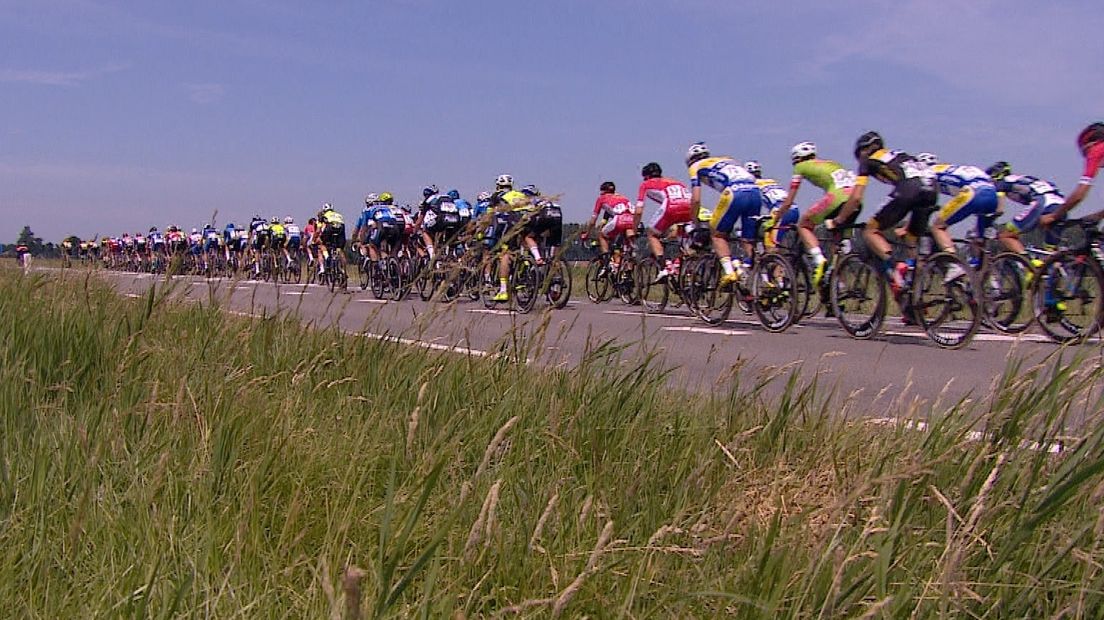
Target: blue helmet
[(429, 190), (455, 195)]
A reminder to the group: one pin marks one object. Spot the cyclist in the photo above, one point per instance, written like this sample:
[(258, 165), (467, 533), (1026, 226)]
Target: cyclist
[(509, 207), (618, 214), (229, 239), (1091, 144), (779, 221), (837, 183), (463, 208), (672, 200), (384, 228), (740, 200), (23, 254), (294, 239), (914, 194), (156, 243), (332, 235), (1038, 196), (972, 193), (543, 221), (277, 237), (258, 240), (360, 229), (210, 242), (438, 218), (310, 233)]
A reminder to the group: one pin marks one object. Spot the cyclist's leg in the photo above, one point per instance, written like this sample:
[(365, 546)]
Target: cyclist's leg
[(723, 221), (957, 209)]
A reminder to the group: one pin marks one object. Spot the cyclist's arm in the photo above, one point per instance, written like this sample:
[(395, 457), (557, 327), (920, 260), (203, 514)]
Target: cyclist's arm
[(791, 195), (695, 201)]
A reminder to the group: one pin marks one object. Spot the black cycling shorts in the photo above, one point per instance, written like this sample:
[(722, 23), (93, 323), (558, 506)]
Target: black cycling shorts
[(333, 236), (911, 198)]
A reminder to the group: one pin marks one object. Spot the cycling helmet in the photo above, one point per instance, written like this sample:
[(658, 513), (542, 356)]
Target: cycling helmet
[(607, 187), (430, 190), (207, 225), (386, 198), (754, 168), (999, 170), (651, 170), (802, 151), (530, 190), (928, 159), (289, 220), (504, 181), (371, 199), (194, 232), (697, 150), (483, 196), (870, 139), (454, 194), (153, 229), (274, 220), (1090, 135), (256, 217)]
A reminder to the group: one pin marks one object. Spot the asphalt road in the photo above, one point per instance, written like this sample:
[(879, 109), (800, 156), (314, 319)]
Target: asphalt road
[(877, 374)]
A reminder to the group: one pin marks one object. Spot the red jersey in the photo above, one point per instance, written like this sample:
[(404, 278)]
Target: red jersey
[(1094, 157), (612, 205), (663, 191)]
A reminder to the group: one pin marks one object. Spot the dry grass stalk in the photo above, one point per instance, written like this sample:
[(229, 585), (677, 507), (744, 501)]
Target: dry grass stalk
[(479, 528), (350, 584), (534, 540), (584, 512), (591, 566), (492, 447), (412, 428)]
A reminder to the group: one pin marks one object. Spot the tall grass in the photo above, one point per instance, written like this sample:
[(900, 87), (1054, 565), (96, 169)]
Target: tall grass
[(162, 459)]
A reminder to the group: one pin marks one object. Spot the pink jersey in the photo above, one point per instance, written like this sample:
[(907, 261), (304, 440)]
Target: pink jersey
[(612, 205), (663, 192), (1094, 157)]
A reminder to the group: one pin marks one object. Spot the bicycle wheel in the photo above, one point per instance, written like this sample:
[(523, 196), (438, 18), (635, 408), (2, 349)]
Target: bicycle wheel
[(1068, 297), (652, 294), (365, 269), (295, 272), (1005, 291), (558, 283), (808, 297), (624, 281), (712, 305), (331, 274), (524, 284), (772, 289), (377, 279), (948, 310), (394, 280), (597, 283), (858, 296)]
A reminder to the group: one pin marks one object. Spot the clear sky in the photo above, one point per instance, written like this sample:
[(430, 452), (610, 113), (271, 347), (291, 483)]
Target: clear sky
[(122, 115)]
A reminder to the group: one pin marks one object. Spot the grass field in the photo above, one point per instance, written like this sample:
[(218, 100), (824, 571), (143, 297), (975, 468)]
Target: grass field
[(163, 460)]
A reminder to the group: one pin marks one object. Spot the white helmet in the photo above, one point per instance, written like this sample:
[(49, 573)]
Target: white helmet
[(802, 150), (697, 150), (326, 206), (754, 168), (483, 196), (928, 159), (371, 199), (289, 220), (195, 231), (504, 180)]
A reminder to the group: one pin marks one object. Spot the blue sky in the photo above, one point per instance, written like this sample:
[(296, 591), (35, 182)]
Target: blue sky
[(122, 115)]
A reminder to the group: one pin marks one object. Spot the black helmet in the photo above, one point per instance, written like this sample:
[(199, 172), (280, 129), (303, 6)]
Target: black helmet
[(651, 171), (867, 140), (1090, 135), (999, 170), (607, 187)]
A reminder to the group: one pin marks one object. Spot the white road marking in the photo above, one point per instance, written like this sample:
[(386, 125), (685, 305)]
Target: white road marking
[(371, 301), (651, 315), (294, 293), (490, 311), (707, 330), (920, 425)]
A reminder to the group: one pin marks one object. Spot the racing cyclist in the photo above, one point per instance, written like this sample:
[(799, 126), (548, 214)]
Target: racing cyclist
[(619, 217), (672, 200), (332, 235), (1039, 197), (740, 200), (837, 183), (1091, 144), (972, 193)]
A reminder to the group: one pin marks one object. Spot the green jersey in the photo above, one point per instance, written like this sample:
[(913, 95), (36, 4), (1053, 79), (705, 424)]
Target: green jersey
[(828, 175)]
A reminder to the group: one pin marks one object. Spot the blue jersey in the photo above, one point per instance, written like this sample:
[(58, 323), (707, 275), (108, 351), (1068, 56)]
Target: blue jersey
[(362, 221), (1028, 190), (379, 214), (720, 173), (481, 208), (953, 179), (259, 227), (229, 233), (210, 234), (464, 208)]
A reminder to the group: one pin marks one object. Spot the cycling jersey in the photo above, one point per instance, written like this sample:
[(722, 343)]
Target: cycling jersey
[(972, 192), (617, 212), (672, 199), (481, 208), (277, 231), (719, 173), (464, 208), (229, 234), (828, 175), (293, 231), (773, 194), (1039, 197), (511, 199), (440, 214), (1094, 157), (333, 229), (913, 194), (156, 239), (332, 218)]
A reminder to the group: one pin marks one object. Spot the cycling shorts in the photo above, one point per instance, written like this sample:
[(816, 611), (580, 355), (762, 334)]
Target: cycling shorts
[(738, 203), (828, 205), (1028, 218), (979, 201), (618, 224), (547, 222), (389, 231), (294, 243), (669, 213), (782, 229), (260, 240), (333, 236), (910, 198)]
